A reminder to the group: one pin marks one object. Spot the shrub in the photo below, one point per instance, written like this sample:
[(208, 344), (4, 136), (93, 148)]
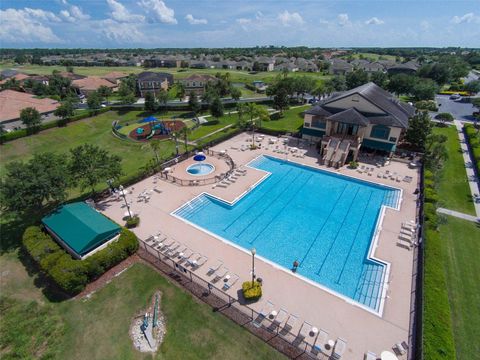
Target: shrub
[(252, 292), (70, 274), (431, 216), (275, 116), (132, 222), (431, 195), (473, 138), (444, 116), (426, 105), (353, 165)]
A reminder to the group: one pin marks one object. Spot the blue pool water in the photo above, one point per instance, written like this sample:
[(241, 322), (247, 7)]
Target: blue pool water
[(200, 169), (323, 220)]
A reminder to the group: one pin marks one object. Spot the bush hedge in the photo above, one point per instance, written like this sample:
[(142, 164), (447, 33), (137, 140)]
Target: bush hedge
[(68, 273), (430, 105), (252, 292), (438, 340), (473, 138)]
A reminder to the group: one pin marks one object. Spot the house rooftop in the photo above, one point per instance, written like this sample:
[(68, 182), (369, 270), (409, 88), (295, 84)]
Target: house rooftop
[(92, 83), (12, 102)]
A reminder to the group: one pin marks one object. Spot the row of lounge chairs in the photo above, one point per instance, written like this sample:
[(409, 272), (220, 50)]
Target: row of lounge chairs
[(407, 235), (218, 272), (282, 323), (366, 170), (399, 348), (394, 176), (176, 251), (232, 178)]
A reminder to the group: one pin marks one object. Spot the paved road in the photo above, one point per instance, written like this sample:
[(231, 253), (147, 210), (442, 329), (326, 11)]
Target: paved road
[(459, 110)]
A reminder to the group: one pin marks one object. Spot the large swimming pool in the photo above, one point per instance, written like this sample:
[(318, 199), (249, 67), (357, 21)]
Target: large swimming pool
[(323, 220)]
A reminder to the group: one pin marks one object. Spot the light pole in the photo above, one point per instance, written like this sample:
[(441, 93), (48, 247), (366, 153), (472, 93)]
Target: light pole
[(253, 251), (122, 193)]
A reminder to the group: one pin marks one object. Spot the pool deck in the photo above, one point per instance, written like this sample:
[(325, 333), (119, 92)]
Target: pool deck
[(363, 330)]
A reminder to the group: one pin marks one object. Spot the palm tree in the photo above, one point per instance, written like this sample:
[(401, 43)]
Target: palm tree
[(241, 110), (155, 146), (184, 132)]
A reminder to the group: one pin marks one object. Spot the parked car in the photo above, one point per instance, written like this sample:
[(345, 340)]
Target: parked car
[(455, 97)]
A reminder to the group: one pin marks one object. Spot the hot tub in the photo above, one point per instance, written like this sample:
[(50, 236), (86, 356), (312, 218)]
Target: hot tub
[(200, 169)]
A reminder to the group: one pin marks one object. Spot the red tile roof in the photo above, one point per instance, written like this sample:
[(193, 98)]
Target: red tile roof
[(12, 102)]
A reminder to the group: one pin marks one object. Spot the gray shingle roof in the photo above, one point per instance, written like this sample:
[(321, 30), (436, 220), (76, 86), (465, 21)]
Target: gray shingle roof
[(349, 116), (318, 110)]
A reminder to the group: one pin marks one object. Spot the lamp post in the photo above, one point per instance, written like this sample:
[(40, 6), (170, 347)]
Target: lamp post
[(253, 251), (122, 193)]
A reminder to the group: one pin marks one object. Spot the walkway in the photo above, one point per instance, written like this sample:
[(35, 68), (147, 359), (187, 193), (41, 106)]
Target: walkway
[(458, 214), (472, 178)]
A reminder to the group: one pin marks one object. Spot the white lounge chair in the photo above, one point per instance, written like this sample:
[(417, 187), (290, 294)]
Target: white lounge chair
[(213, 268), (230, 282), (380, 175), (405, 244), (370, 356), (264, 312), (339, 349), (289, 324), (185, 254), (322, 339), (198, 262), (304, 331), (220, 274)]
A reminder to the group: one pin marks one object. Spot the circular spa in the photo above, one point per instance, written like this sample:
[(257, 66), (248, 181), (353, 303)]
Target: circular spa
[(200, 169)]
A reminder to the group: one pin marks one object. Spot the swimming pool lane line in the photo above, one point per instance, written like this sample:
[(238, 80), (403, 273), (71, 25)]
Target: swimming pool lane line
[(354, 238), (256, 202), (323, 225), (271, 202), (283, 208), (338, 232)]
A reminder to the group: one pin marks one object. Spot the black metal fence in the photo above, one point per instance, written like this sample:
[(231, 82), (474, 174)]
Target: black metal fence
[(204, 181), (293, 345)]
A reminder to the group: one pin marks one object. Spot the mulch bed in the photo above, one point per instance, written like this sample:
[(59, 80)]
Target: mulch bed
[(173, 125), (106, 277)]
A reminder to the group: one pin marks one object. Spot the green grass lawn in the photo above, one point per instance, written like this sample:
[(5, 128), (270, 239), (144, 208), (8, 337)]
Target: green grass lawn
[(96, 130), (235, 75), (97, 328), (204, 130), (453, 189), (291, 121), (461, 250)]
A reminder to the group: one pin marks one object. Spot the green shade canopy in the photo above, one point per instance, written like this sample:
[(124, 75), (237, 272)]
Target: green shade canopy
[(378, 145), (80, 227)]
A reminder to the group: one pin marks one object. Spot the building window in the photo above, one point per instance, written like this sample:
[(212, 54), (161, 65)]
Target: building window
[(380, 132), (318, 123), (306, 125)]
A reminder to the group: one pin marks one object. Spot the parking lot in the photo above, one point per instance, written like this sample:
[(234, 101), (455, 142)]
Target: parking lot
[(460, 110)]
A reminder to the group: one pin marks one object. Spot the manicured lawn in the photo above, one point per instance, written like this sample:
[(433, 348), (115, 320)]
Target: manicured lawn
[(453, 189), (461, 250), (97, 328), (204, 130), (292, 120), (96, 130), (235, 75)]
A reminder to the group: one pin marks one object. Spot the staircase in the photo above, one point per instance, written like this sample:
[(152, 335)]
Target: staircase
[(341, 154), (332, 147)]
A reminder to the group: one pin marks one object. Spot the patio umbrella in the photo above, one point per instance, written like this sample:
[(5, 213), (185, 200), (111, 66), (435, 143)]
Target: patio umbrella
[(199, 157)]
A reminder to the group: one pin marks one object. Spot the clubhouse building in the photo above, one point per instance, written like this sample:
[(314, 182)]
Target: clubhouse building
[(364, 117)]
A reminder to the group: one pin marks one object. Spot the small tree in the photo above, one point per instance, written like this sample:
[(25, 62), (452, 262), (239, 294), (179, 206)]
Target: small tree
[(419, 127), (155, 146), (183, 132), (281, 100), (31, 118), (64, 112), (435, 151), (90, 164), (235, 93), (193, 102), (216, 108), (444, 117), (105, 92), (379, 78), (150, 104), (162, 99), (94, 101), (241, 111), (27, 186), (180, 91), (356, 78)]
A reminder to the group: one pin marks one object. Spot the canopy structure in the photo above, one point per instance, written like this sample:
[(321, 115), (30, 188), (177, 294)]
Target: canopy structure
[(149, 119), (378, 145), (80, 228)]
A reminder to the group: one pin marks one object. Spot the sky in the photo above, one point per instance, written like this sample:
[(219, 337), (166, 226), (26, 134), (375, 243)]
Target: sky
[(235, 23)]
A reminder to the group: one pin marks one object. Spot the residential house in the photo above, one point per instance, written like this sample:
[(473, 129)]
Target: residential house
[(115, 77), (366, 117), (340, 67), (197, 83), (264, 64), (90, 84), (12, 102), (154, 82), (286, 66), (372, 67), (409, 68)]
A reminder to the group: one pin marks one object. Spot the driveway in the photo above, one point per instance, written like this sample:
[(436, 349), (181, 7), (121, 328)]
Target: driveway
[(460, 111)]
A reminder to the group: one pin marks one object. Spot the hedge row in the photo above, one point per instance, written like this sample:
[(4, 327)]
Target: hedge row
[(430, 105), (473, 137), (70, 274), (17, 134), (437, 321)]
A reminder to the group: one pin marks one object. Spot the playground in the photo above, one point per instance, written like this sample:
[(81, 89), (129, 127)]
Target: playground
[(148, 128)]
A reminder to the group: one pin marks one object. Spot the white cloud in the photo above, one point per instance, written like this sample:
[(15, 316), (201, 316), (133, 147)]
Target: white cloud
[(77, 13), (424, 25), (159, 11), (290, 19), (467, 18), (374, 21), (121, 14), (27, 26), (192, 21), (243, 21), (122, 32), (343, 19)]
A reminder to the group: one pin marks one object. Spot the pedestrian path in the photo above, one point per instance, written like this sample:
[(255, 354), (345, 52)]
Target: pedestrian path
[(469, 167), (458, 214)]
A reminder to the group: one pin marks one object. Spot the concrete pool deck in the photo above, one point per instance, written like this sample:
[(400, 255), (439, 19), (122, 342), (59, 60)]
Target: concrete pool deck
[(363, 330)]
